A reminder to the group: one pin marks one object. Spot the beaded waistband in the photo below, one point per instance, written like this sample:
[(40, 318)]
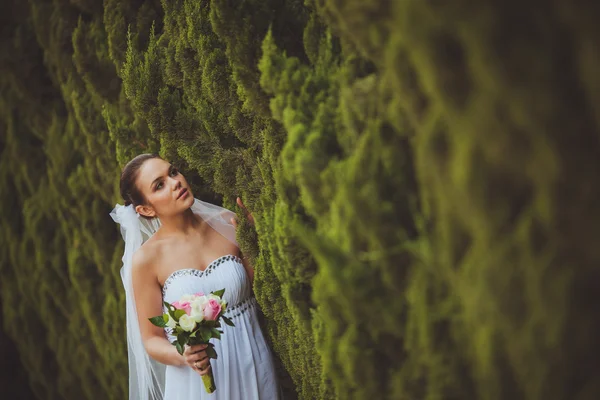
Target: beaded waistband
[(240, 308)]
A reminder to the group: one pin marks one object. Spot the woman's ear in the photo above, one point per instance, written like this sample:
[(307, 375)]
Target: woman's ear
[(145, 211)]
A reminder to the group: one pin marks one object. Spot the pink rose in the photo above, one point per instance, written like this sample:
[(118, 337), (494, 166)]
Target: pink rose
[(212, 310), (199, 294), (183, 305)]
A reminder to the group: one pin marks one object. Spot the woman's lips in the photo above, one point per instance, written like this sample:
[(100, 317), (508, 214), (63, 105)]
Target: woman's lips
[(182, 194)]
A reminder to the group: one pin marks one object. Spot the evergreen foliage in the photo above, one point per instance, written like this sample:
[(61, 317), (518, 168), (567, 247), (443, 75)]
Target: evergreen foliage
[(421, 175)]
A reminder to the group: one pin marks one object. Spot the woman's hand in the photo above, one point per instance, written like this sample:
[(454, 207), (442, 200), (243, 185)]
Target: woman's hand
[(195, 356), (249, 215)]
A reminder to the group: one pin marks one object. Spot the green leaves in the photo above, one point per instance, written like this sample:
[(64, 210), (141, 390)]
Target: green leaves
[(210, 351), (180, 347), (159, 321), (219, 293), (205, 334), (215, 333), (174, 312), (227, 320), (183, 337), (171, 310), (201, 335)]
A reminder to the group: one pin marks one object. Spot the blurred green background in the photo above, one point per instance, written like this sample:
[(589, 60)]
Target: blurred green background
[(423, 176)]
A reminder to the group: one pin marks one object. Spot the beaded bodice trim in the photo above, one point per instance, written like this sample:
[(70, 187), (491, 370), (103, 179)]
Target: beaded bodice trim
[(199, 272)]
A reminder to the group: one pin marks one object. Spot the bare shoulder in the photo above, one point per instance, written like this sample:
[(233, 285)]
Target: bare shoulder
[(145, 257)]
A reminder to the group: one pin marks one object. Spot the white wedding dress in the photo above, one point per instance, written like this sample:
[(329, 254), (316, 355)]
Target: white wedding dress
[(244, 368)]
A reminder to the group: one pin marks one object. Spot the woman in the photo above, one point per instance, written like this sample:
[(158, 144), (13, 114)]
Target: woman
[(176, 245)]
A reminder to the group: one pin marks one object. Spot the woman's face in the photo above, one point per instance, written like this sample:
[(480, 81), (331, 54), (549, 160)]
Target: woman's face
[(166, 191)]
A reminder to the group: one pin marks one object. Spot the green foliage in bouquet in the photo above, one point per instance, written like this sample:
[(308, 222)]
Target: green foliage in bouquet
[(201, 334), (438, 159)]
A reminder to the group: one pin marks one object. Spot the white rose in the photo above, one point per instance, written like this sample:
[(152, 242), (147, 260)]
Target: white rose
[(187, 323), (197, 313), (200, 302), (171, 323), (187, 297)]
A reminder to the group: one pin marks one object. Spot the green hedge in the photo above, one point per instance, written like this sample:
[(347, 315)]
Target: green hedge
[(422, 174)]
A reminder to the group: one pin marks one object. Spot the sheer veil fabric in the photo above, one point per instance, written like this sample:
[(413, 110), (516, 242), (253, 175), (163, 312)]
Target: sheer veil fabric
[(146, 376)]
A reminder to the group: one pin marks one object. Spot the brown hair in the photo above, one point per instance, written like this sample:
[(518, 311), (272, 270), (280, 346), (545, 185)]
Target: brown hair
[(129, 190)]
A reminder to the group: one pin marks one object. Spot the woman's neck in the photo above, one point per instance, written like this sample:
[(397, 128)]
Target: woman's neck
[(185, 223)]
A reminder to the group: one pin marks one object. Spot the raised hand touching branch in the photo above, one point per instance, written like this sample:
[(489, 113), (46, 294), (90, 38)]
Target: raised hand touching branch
[(249, 215)]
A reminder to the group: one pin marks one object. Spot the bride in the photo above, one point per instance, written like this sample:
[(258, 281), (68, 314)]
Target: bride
[(175, 245)]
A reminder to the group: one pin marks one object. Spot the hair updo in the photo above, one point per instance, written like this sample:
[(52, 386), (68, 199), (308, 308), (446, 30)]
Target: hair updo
[(129, 190)]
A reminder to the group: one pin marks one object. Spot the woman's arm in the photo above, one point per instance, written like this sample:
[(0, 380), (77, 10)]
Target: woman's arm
[(148, 301)]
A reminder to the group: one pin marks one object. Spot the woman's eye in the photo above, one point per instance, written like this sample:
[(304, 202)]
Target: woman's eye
[(174, 172), (158, 185)]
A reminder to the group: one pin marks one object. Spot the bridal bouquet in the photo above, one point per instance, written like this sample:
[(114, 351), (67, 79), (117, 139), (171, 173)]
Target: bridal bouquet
[(195, 319)]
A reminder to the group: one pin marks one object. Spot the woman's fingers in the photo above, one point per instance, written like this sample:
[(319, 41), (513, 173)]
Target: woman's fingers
[(241, 204), (194, 353), (204, 371), (202, 366), (197, 347), (201, 355), (243, 207), (198, 356), (248, 213)]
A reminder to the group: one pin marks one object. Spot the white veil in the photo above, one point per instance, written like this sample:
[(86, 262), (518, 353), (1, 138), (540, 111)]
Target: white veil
[(146, 376)]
